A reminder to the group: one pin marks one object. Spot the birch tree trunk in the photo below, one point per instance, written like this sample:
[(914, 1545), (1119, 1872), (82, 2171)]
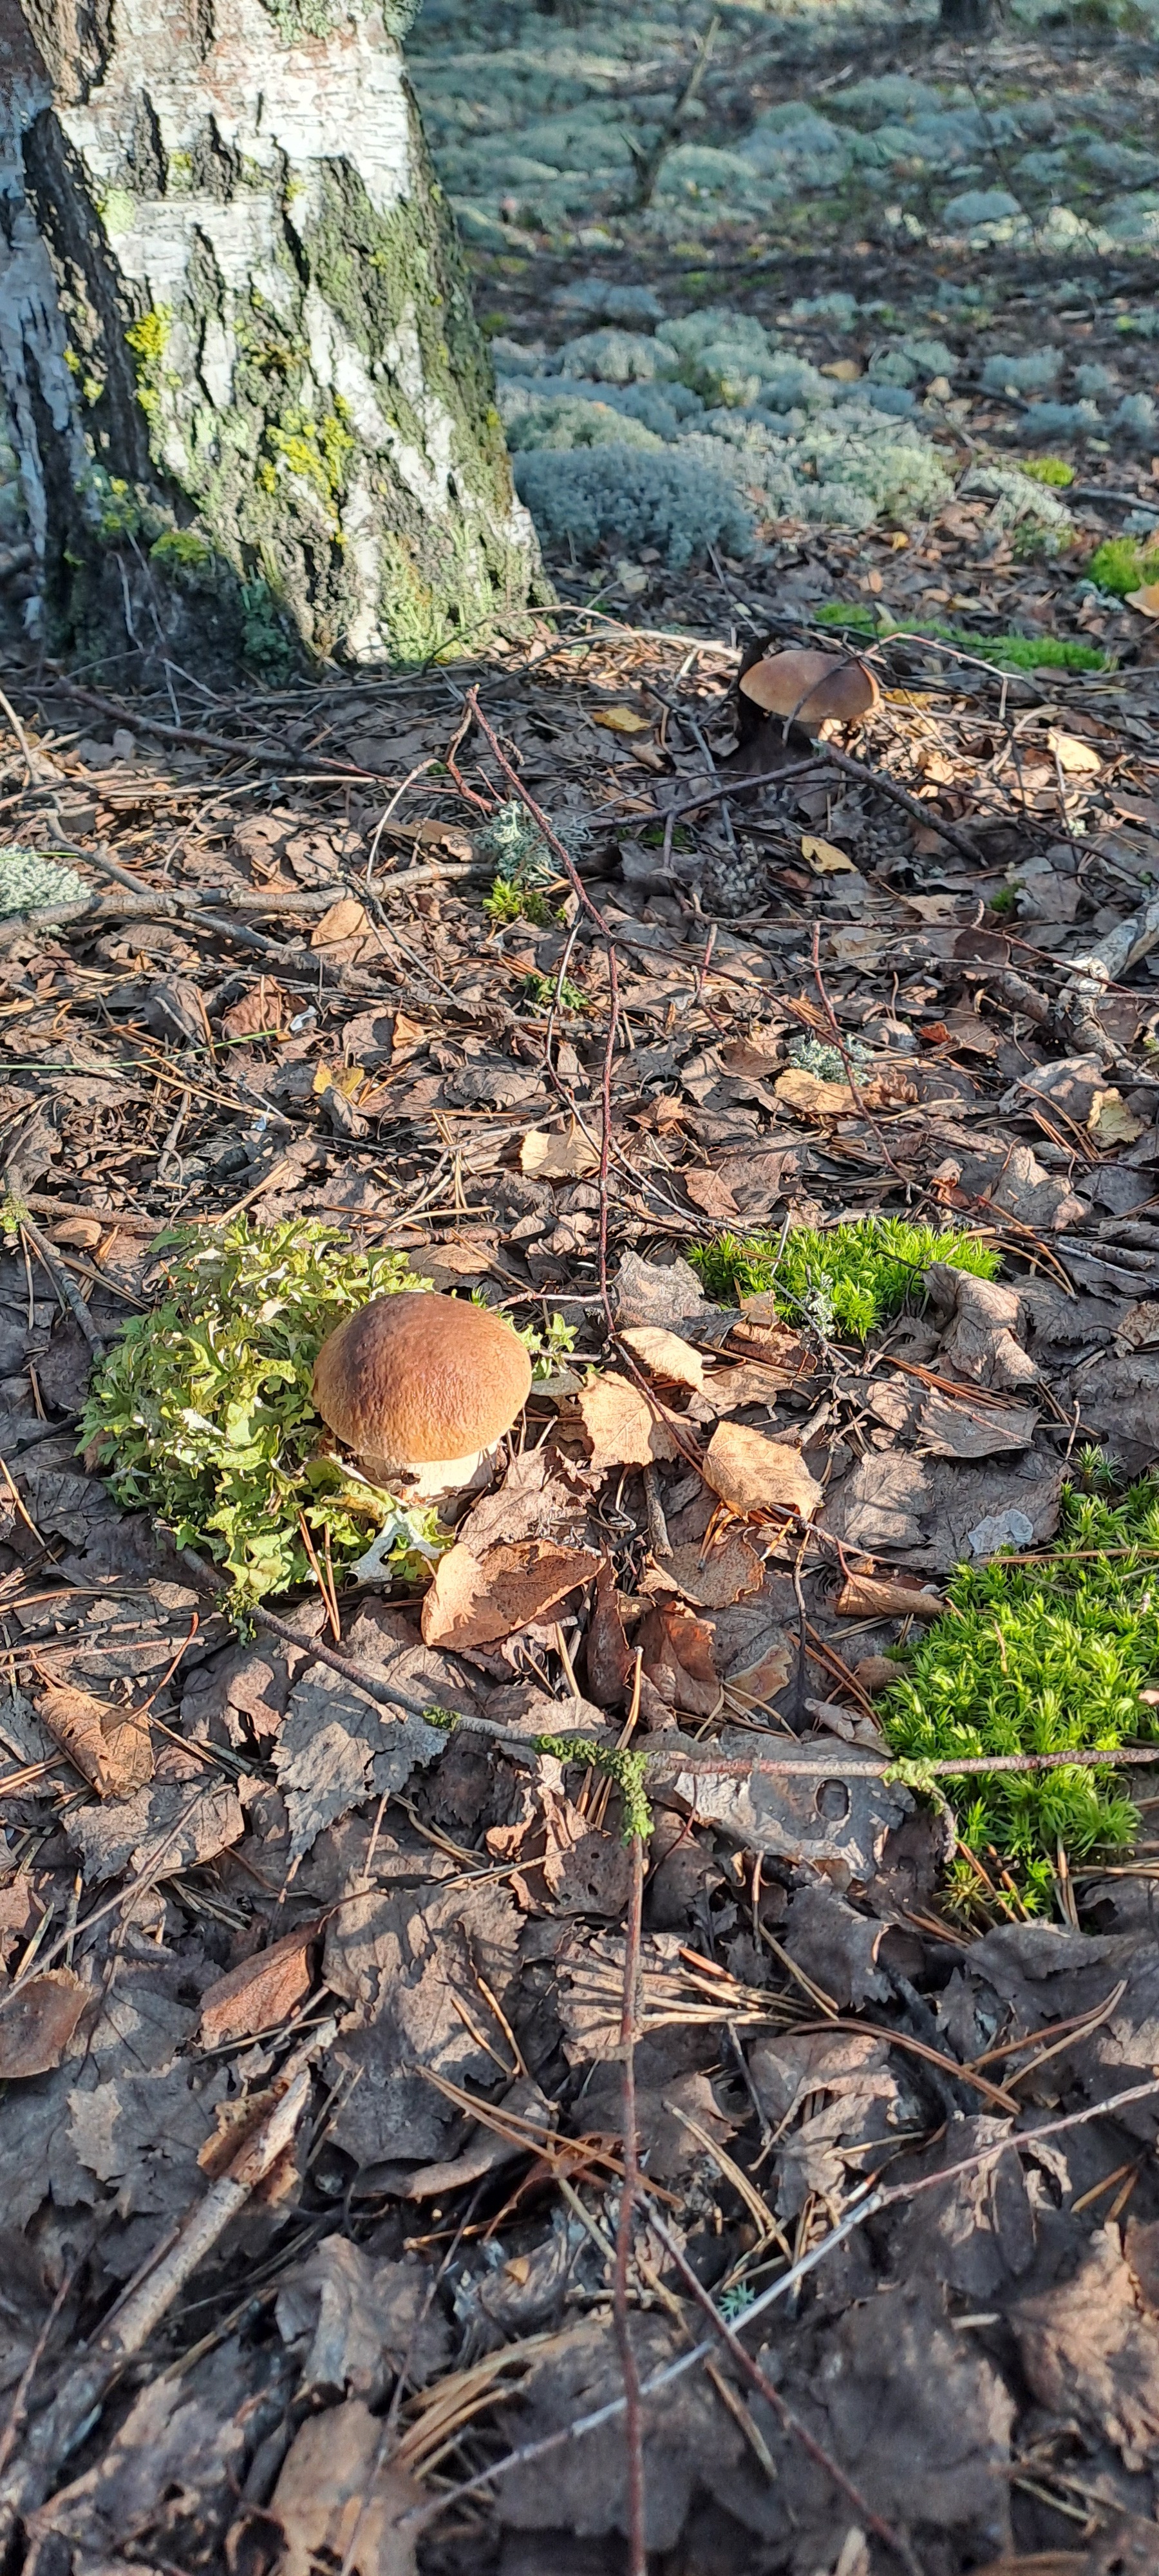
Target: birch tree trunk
[(247, 394)]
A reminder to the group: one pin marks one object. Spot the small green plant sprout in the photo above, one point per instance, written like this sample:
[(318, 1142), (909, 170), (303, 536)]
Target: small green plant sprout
[(549, 1344), (202, 1412), (539, 994), (846, 1279), (507, 903), (1120, 566), (1041, 1658)]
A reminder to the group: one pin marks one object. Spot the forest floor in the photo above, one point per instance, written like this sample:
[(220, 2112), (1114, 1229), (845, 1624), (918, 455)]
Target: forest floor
[(406, 2164)]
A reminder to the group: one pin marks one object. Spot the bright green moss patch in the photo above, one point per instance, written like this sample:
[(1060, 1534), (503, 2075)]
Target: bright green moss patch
[(1051, 470), (1041, 1659), (1121, 566), (844, 1280), (1006, 652)]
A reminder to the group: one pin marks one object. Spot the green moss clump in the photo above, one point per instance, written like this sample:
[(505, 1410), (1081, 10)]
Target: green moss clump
[(1051, 470), (1120, 567), (1006, 652), (203, 1412), (845, 1280), (181, 550), (1041, 1659)]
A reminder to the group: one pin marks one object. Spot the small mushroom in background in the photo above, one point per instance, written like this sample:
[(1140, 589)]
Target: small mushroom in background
[(801, 690), (419, 1388)]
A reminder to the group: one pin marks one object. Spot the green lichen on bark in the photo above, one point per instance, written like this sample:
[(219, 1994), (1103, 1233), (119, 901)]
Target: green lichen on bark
[(342, 483)]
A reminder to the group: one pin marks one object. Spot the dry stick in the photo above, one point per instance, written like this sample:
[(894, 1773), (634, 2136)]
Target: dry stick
[(21, 736), (68, 1294), (576, 883), (629, 2367), (910, 805), (868, 2205), (790, 2423), (55, 2432)]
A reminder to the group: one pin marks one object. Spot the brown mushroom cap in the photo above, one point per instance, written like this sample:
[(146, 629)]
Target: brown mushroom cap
[(809, 687), (417, 1378)]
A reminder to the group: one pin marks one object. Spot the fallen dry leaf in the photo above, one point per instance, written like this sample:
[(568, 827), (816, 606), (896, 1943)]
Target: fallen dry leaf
[(609, 1658), (621, 720), (814, 1098), (1078, 758), (871, 1596), (476, 1600), (263, 1007), (624, 1429), (824, 857), (711, 1577), (110, 1747), (844, 371), (80, 1233), (39, 2022), (711, 1194), (1110, 1122), (752, 1473), (343, 921), (558, 1158), (677, 1653), (336, 2502), (665, 1354), (261, 1993), (1145, 600)]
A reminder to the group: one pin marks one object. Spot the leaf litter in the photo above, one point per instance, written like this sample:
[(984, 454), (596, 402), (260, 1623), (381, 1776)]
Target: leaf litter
[(326, 2224)]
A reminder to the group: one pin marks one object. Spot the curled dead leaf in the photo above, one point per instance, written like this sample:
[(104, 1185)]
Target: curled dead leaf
[(261, 1993), (754, 1474), (609, 1660), (824, 857), (344, 920), (336, 2502), (1145, 600), (665, 1355), (624, 1429), (558, 1158), (710, 1577), (621, 719), (677, 1654), (476, 1600), (1078, 758), (39, 2021), (110, 1747)]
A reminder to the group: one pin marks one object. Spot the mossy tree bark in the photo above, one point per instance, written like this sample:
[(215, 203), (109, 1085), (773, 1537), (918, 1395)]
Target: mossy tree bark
[(249, 398)]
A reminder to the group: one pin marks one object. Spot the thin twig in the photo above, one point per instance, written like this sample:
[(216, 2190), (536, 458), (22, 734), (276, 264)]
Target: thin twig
[(633, 2419)]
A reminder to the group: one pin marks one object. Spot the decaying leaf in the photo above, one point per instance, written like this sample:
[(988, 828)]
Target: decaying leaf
[(665, 1355), (263, 1007), (813, 1097), (624, 1429), (711, 1193), (609, 1658), (338, 2504), (1145, 600), (344, 920), (677, 1652), (261, 1993), (474, 1600), (1110, 1122), (110, 1747), (558, 1158), (824, 857), (710, 1576), (621, 720), (754, 1474), (872, 1596), (1078, 758), (38, 2022)]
